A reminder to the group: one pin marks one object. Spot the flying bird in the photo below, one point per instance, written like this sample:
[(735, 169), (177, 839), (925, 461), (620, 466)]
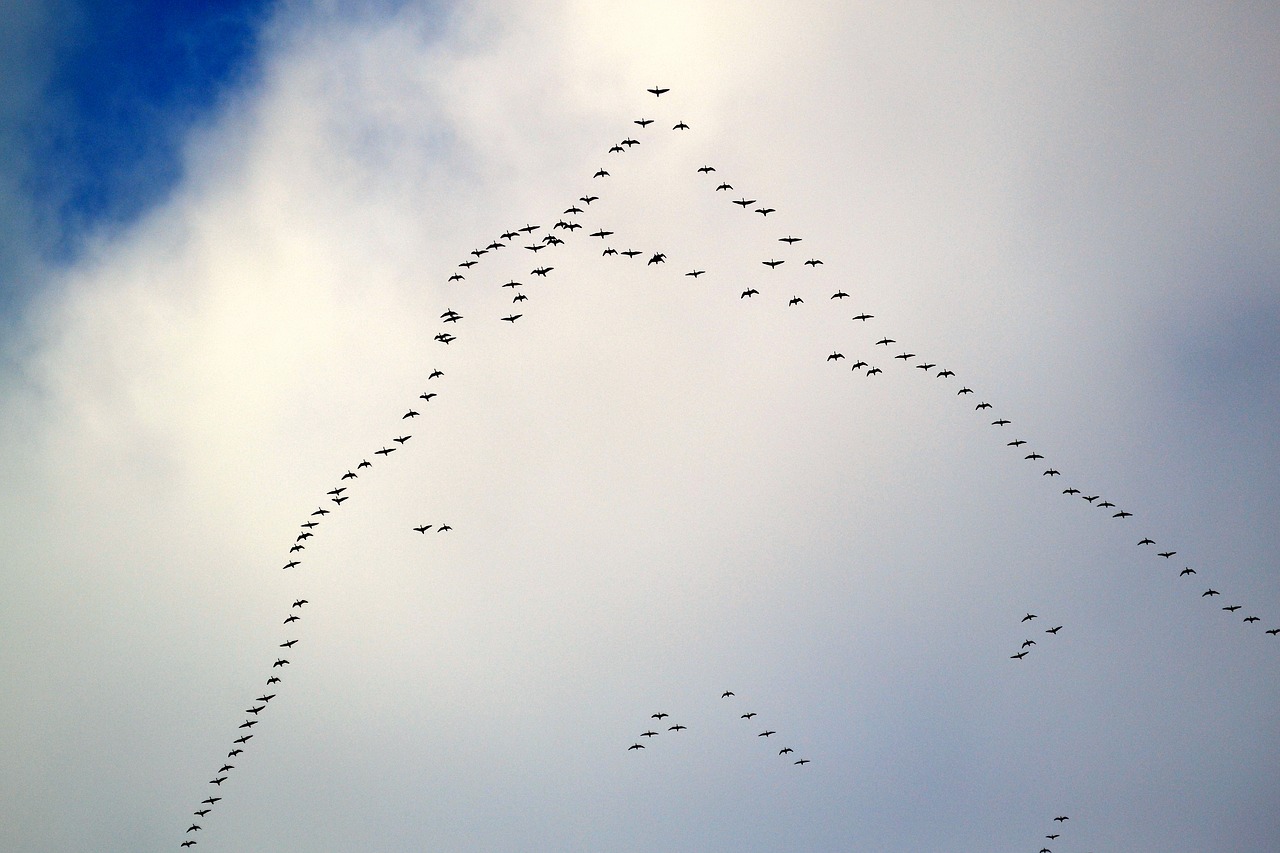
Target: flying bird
[(681, 126), (1029, 617), (511, 318), (751, 291), (771, 264), (748, 715), (724, 187), (1187, 571), (1018, 656), (745, 202), (1146, 542), (657, 92), (1167, 554), (601, 173), (864, 317), (658, 258), (636, 746), (644, 122), (795, 300), (706, 169), (839, 294), (1053, 630), (726, 694), (764, 211), (766, 733), (695, 273)]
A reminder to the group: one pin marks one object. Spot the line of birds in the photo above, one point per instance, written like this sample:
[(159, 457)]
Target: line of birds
[(551, 240), (661, 716)]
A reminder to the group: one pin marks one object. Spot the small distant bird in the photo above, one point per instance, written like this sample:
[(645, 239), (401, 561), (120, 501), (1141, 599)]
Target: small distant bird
[(1071, 491), (1167, 554), (658, 258), (409, 414), (350, 475), (765, 211), (1019, 656), (706, 169), (744, 202), (965, 390), (695, 273), (766, 733), (1001, 422), (1251, 619), (942, 373), (300, 602), (885, 342), (1026, 643), (386, 451), (785, 750), (873, 371), (1053, 630), (789, 240), (457, 277), (1122, 514), (643, 122), (680, 126), (292, 563), (866, 317), (1187, 571), (511, 318), (724, 187), (1033, 455), (649, 734), (423, 529), (1029, 617), (293, 618), (657, 92), (659, 715), (726, 694), (442, 528), (751, 291), (839, 294), (1147, 542), (677, 728), (835, 356), (795, 300), (587, 199), (279, 662), (772, 264), (802, 761), (364, 463), (982, 405), (748, 715), (1231, 608), (1061, 818), (813, 262), (636, 746), (288, 645), (1052, 472), (600, 173), (401, 439)]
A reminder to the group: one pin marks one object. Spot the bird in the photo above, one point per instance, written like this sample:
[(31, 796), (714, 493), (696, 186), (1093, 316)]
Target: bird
[(386, 451), (364, 463), (745, 202), (341, 499), (350, 475), (1017, 442), (1122, 514), (266, 698), (1052, 472), (409, 414), (1231, 608), (297, 548), (1210, 592), (643, 122), (726, 694), (188, 843), (658, 258), (766, 733), (649, 734), (1029, 617), (1053, 630), (785, 750), (467, 264), (706, 169), (751, 291), (1146, 541), (288, 645), (1090, 498), (427, 396), (858, 364), (442, 528), (273, 680), (1273, 631), (600, 173), (601, 233), (925, 366), (965, 390), (1001, 422), (511, 318), (202, 812), (865, 317), (608, 251), (1187, 571), (616, 149), (905, 356), (401, 439), (631, 253), (279, 662), (680, 126), (695, 273), (1071, 491), (321, 511), (659, 715), (636, 746), (512, 283), (802, 761), (1251, 619), (795, 300), (748, 715), (1019, 656), (835, 356), (942, 373), (423, 529), (309, 524), (457, 277), (657, 92), (724, 187), (873, 371), (1106, 504), (292, 563), (210, 800), (542, 271), (1026, 643), (679, 728), (195, 827), (1166, 554), (243, 739), (982, 405), (885, 342), (813, 262), (1061, 818), (1033, 455), (839, 294), (587, 199), (789, 240), (764, 211), (300, 602)]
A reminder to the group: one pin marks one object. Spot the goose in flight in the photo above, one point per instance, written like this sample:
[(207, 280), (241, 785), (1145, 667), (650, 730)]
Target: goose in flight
[(202, 812), (905, 356), (1273, 631), (512, 283), (609, 250), (364, 463), (748, 715), (789, 239), (795, 300), (1017, 442), (267, 698), (1051, 472), (864, 317), (1033, 455), (509, 235), (616, 149), (511, 318), (243, 739), (233, 753), (297, 548), (310, 524), (926, 366), (885, 342), (942, 373), (1187, 571), (1071, 491), (659, 715), (423, 529), (195, 827), (658, 92), (650, 733), (772, 264), (631, 253), (536, 247), (188, 843), (601, 233), (766, 733), (726, 694), (724, 187), (835, 356), (679, 728), (1106, 504), (1122, 514), (587, 199), (1053, 630), (542, 271), (965, 390), (350, 475), (442, 528), (321, 511), (695, 273), (1090, 498), (706, 169), (427, 396), (636, 746), (341, 499), (600, 173), (300, 602), (293, 617), (785, 750), (629, 142), (1146, 541), (280, 662), (658, 258), (1210, 592), (751, 291), (467, 264), (1231, 608), (982, 405), (813, 262), (291, 564), (401, 439), (409, 414), (248, 724), (839, 294), (745, 202), (1061, 818), (680, 126), (1167, 554), (210, 800), (1018, 656), (1251, 619), (765, 211), (288, 645), (873, 371), (273, 680), (644, 122), (457, 277), (858, 365), (1001, 422), (1029, 617)]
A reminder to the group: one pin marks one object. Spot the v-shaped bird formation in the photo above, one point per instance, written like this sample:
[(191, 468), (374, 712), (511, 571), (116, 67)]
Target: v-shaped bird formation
[(869, 351)]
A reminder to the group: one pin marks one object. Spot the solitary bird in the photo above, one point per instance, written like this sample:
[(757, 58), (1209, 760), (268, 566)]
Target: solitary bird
[(1061, 818), (727, 693), (706, 169), (795, 300), (865, 317), (749, 715), (657, 92)]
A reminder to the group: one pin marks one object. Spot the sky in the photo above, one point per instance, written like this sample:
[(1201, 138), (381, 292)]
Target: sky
[(230, 239)]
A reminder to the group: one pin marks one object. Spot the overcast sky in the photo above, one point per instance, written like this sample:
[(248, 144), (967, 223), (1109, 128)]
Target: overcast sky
[(221, 294)]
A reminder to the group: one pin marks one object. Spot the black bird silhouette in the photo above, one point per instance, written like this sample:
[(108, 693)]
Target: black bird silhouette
[(542, 271), (1019, 656), (267, 698), (1053, 630), (291, 564), (211, 800), (428, 395), (813, 262), (885, 342), (1146, 542), (511, 318), (751, 291), (1071, 491), (310, 524), (925, 366), (706, 169), (1105, 504), (1090, 498), (279, 662), (1017, 442), (1273, 631), (965, 390), (636, 746), (1167, 554), (1187, 571), (789, 239), (1001, 422), (1026, 643), (695, 273), (409, 414), (188, 843), (1061, 818), (350, 475), (1052, 472), (802, 761), (942, 373), (467, 264), (657, 92), (202, 812), (587, 199), (795, 300), (835, 356), (273, 680), (512, 283), (288, 645), (982, 405), (658, 258), (839, 294), (423, 529), (1033, 455), (873, 371), (1231, 608), (772, 264), (745, 202), (681, 126), (649, 734), (195, 827), (320, 511), (442, 528), (243, 739), (401, 439), (1122, 514), (364, 463), (300, 602), (764, 211), (1029, 617), (749, 715), (766, 733), (644, 122), (631, 253), (456, 277), (785, 750), (600, 173), (858, 364), (297, 548), (341, 499), (679, 728), (865, 317), (726, 693), (1251, 619), (724, 187), (601, 233)]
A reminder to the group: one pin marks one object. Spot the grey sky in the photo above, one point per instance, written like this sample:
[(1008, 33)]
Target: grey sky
[(660, 491)]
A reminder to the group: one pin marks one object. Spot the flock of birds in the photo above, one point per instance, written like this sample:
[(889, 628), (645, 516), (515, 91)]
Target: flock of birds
[(883, 353), (749, 716)]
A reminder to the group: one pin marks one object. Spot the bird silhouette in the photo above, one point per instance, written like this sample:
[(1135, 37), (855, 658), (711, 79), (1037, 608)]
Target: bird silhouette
[(657, 92)]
